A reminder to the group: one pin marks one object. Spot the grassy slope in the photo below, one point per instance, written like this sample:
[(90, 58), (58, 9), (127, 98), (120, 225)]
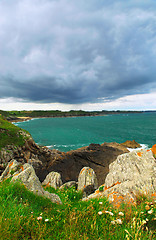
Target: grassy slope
[(19, 210), (10, 134)]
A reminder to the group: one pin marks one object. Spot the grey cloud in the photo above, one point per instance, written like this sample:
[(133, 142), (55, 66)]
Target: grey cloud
[(76, 51)]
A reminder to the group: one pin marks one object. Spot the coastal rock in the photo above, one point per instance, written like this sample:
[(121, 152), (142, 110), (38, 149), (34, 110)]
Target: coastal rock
[(53, 179), (130, 174), (12, 168), (69, 185), (97, 157), (87, 177), (138, 168), (69, 164), (26, 175), (38, 157), (53, 197), (131, 144), (88, 190)]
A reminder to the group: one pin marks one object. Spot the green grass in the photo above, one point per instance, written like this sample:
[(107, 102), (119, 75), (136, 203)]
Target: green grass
[(10, 134), (74, 219)]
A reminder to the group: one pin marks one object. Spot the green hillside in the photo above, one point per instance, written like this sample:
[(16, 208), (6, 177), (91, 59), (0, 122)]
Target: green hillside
[(11, 134)]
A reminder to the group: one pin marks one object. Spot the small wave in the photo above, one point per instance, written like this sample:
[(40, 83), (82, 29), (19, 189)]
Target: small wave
[(69, 146), (32, 119), (143, 146), (50, 146)]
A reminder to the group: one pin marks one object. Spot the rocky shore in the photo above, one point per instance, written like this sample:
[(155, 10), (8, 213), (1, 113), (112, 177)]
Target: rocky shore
[(98, 170), (67, 164), (120, 180)]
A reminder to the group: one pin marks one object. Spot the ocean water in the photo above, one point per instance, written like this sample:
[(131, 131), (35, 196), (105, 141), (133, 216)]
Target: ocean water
[(71, 133)]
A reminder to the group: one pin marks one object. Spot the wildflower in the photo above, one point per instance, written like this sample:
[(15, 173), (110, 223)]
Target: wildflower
[(121, 213), (39, 218), (113, 222), (41, 213), (100, 203), (46, 220), (100, 213), (150, 211), (143, 222), (118, 221), (147, 207), (110, 213), (31, 212)]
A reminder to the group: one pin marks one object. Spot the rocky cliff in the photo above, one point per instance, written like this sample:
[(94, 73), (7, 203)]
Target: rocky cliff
[(67, 164)]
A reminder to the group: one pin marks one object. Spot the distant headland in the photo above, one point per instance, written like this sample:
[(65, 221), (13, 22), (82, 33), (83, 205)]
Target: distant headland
[(15, 116)]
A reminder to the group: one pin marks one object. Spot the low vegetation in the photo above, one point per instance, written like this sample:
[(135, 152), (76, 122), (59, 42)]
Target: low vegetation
[(11, 134), (24, 215)]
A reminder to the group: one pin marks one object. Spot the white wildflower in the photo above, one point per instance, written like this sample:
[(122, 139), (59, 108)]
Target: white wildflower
[(118, 221), (150, 211), (100, 203), (100, 212), (121, 213), (110, 213), (143, 222), (39, 218), (46, 220), (113, 222)]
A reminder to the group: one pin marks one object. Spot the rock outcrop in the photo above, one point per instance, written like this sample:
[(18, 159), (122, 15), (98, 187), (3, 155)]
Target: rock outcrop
[(136, 169), (12, 168), (86, 178), (130, 174), (53, 179), (38, 157), (87, 181), (44, 160), (69, 185), (26, 175), (131, 144), (95, 156)]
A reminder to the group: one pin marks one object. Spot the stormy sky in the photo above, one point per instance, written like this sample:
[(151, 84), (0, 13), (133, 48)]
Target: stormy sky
[(78, 54)]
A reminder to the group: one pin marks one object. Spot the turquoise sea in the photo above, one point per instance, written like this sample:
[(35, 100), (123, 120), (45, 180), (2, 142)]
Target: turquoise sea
[(70, 133)]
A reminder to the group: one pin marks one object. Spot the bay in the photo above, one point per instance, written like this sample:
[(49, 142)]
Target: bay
[(71, 133)]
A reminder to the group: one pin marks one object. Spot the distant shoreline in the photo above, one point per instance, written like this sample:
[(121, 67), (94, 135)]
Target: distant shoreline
[(20, 116), (24, 119)]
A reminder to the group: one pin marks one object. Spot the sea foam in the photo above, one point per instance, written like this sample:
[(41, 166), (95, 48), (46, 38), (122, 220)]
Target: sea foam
[(143, 146)]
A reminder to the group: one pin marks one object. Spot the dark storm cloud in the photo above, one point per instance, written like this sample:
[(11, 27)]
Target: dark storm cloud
[(76, 51)]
